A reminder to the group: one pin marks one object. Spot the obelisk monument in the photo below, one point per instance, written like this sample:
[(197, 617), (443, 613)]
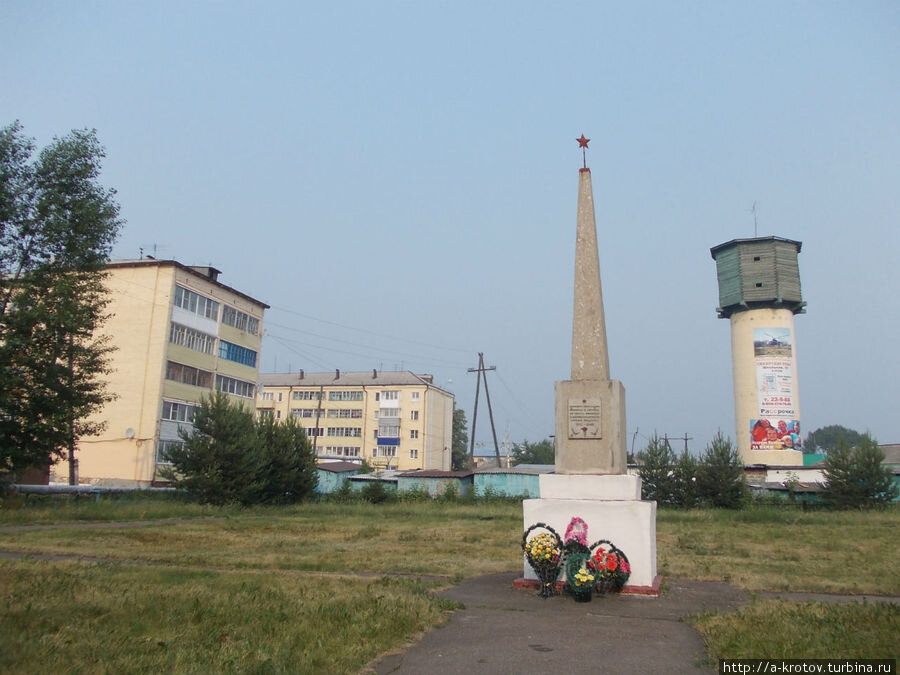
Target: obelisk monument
[(590, 408), (591, 479)]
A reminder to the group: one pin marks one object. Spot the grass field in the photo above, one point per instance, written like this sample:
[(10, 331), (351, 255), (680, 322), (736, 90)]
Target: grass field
[(254, 590)]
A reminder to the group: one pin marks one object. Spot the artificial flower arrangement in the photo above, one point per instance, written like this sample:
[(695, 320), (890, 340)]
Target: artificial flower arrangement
[(544, 553), (613, 568), (581, 574), (600, 567)]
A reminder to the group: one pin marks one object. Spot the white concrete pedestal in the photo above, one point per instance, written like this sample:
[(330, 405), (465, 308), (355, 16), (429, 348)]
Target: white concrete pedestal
[(611, 507)]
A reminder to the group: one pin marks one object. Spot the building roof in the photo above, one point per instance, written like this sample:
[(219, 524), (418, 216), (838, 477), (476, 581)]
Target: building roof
[(891, 453), (434, 473), (338, 378), (205, 272), (754, 240), (526, 469), (339, 467)]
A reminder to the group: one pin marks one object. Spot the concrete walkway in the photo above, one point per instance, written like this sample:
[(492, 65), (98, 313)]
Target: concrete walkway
[(507, 630)]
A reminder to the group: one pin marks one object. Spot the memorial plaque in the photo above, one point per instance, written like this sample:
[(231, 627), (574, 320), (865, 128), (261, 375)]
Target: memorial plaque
[(584, 418)]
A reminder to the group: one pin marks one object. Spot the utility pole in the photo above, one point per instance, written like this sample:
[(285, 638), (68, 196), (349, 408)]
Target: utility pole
[(481, 369)]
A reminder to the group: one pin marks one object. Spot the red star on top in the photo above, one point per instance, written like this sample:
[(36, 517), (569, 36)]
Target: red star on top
[(583, 142)]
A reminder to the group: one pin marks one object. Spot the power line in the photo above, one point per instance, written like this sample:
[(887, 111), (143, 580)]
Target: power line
[(371, 332)]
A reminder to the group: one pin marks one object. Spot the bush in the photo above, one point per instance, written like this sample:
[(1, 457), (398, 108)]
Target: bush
[(855, 478), (375, 492)]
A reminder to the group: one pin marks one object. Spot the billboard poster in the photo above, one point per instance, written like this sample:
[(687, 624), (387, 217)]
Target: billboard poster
[(775, 434), (776, 426)]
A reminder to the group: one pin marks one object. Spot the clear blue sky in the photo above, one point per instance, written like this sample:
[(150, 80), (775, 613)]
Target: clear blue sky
[(398, 180)]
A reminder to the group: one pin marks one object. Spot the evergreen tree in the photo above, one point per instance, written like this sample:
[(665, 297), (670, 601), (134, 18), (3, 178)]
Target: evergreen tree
[(720, 475), (685, 480), (220, 461), (228, 458), (288, 464), (57, 227), (656, 471), (855, 476)]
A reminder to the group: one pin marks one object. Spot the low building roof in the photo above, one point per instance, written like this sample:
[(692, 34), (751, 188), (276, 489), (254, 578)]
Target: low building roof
[(434, 473), (338, 467), (526, 469)]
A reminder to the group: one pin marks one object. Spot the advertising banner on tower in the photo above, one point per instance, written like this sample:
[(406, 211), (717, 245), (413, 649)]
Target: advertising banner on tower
[(776, 426)]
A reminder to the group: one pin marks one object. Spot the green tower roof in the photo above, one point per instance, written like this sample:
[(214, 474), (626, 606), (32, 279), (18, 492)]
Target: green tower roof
[(757, 273)]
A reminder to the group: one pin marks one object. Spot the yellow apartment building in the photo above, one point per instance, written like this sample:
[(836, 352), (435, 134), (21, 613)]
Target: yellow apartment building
[(394, 419), (179, 335)]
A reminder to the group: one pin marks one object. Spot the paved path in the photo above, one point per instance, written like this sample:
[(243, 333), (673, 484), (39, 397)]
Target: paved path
[(507, 630)]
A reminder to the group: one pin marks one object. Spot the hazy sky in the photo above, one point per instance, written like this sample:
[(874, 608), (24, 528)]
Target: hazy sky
[(398, 180)]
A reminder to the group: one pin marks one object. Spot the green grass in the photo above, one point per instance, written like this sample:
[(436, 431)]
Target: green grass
[(783, 549), (42, 509), (266, 589), (66, 617), (775, 629)]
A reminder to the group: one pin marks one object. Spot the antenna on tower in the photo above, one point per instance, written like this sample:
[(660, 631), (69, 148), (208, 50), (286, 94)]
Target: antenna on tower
[(753, 210)]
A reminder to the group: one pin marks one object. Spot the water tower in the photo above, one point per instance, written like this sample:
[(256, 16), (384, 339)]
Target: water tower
[(759, 291)]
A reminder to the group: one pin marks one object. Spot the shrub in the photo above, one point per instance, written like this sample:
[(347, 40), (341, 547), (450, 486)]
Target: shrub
[(855, 478), (375, 492)]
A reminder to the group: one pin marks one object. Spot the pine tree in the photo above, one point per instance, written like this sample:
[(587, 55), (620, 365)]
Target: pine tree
[(656, 472), (855, 477), (720, 475)]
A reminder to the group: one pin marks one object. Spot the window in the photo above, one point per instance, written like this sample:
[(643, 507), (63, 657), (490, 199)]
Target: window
[(413, 434), (342, 450), (307, 396), (390, 412), (178, 412), (306, 412), (162, 450), (230, 385), (279, 396), (388, 430), (345, 396), (196, 303), (267, 396), (414, 415), (178, 372), (190, 338), (388, 451), (390, 396), (415, 396), (414, 454), (236, 353), (375, 434), (345, 414), (240, 320), (350, 432), (277, 414), (264, 413), (314, 431)]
